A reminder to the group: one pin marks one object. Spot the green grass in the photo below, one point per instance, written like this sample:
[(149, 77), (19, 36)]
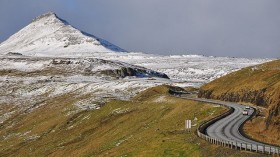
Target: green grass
[(143, 126)]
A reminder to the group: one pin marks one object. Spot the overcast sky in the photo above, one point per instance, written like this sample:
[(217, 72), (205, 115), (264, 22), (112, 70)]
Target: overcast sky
[(237, 28)]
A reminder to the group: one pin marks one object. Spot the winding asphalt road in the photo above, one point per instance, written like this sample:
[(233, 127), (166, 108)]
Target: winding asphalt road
[(227, 129)]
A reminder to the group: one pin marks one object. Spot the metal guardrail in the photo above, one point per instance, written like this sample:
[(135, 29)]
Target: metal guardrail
[(201, 132), (241, 146)]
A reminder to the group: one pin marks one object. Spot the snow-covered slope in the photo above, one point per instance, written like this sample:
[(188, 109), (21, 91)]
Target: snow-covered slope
[(65, 67), (184, 70), (189, 70), (28, 80), (50, 35)]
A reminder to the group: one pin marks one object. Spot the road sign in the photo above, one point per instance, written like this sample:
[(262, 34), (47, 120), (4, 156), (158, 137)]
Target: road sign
[(188, 124)]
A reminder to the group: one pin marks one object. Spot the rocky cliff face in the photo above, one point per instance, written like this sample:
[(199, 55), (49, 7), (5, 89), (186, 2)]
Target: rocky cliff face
[(257, 97)]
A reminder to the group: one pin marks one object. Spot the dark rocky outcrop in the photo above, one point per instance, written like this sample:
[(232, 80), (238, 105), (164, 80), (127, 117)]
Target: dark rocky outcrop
[(128, 71), (14, 54), (255, 97)]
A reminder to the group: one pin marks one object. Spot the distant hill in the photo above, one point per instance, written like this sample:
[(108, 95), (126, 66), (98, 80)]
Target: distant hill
[(50, 35), (259, 85)]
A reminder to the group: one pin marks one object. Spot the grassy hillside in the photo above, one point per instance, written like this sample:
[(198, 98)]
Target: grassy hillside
[(258, 85), (152, 124)]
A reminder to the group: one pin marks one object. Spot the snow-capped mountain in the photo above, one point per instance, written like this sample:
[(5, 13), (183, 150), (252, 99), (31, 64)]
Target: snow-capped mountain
[(48, 34)]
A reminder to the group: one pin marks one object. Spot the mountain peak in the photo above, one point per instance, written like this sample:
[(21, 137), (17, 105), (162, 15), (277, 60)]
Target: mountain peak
[(48, 34), (49, 13), (49, 16), (45, 15)]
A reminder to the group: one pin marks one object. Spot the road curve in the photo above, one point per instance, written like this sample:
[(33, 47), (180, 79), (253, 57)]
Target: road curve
[(228, 128)]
